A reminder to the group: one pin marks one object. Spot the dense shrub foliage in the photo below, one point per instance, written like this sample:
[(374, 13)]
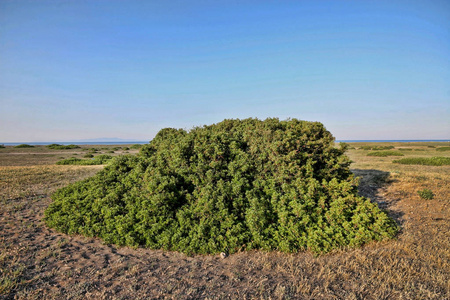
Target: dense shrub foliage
[(426, 161), (238, 184), (385, 153), (97, 160), (62, 147)]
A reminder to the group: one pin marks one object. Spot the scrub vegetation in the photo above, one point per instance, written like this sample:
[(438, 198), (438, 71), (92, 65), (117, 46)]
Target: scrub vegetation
[(250, 184), (62, 147), (24, 146)]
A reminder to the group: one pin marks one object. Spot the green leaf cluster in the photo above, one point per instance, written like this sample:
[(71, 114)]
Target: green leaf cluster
[(238, 184)]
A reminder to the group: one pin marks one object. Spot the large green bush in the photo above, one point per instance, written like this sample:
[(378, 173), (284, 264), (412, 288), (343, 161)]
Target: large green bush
[(238, 184)]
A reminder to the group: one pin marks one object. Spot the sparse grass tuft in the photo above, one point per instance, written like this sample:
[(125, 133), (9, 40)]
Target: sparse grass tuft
[(426, 194), (425, 161), (385, 153)]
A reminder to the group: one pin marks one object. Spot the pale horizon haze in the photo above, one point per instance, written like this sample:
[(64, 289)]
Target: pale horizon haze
[(367, 70)]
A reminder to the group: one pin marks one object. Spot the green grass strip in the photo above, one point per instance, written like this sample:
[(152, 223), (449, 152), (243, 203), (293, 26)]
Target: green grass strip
[(425, 161), (98, 160), (385, 153), (443, 149)]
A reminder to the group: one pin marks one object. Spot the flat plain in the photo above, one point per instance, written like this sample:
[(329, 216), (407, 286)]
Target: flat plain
[(39, 263)]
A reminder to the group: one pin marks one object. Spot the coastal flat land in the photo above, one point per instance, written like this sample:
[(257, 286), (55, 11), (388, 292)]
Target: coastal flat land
[(38, 263)]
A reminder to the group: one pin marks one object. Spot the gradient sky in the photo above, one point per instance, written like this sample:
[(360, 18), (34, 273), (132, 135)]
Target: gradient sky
[(73, 70)]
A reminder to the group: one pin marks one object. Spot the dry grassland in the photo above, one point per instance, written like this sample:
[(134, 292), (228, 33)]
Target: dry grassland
[(39, 263)]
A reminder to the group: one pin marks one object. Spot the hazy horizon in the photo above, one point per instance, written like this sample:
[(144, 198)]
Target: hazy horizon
[(80, 70)]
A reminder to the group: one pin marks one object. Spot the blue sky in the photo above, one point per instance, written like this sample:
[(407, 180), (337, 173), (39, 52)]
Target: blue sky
[(73, 70)]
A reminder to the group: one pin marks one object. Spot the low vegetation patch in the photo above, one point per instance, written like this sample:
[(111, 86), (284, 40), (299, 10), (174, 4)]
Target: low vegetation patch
[(98, 160), (62, 147), (376, 147), (24, 146), (238, 184), (136, 146), (426, 194), (385, 153), (427, 161), (443, 149)]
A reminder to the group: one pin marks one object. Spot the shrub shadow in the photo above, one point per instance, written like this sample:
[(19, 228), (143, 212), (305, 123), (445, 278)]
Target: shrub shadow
[(370, 184)]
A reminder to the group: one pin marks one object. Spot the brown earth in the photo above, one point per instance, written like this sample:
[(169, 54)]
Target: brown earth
[(38, 263)]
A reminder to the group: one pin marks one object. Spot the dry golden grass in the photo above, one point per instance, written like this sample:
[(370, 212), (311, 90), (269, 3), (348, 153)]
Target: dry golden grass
[(38, 263)]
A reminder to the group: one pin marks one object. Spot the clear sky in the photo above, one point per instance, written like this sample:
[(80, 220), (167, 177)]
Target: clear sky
[(73, 70)]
